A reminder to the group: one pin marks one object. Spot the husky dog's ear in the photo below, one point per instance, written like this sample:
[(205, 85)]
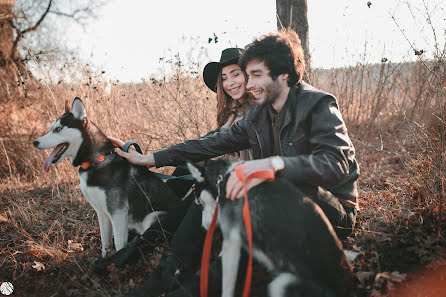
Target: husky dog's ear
[(196, 173), (78, 109), (67, 106)]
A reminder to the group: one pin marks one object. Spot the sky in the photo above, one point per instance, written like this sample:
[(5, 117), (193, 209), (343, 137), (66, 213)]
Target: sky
[(128, 38)]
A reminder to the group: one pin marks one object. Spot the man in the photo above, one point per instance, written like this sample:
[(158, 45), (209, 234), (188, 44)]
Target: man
[(295, 130)]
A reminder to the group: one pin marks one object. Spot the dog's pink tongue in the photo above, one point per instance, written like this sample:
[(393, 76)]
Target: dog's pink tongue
[(50, 158)]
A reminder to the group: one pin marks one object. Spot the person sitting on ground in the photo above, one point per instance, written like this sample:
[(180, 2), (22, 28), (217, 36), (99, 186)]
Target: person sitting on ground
[(294, 129)]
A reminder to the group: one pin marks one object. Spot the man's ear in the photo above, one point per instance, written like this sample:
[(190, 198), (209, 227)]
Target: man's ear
[(196, 173), (78, 109), (284, 76)]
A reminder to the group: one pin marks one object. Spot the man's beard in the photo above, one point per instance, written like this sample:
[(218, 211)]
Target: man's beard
[(272, 92)]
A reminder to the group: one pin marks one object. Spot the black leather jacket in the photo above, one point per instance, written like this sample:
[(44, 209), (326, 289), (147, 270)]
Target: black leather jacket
[(314, 144)]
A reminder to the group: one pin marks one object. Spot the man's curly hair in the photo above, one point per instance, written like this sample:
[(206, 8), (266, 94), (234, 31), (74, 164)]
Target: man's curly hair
[(281, 52)]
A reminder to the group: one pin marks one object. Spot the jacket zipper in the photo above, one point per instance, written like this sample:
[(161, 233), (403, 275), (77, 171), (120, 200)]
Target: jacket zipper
[(258, 139), (280, 137)]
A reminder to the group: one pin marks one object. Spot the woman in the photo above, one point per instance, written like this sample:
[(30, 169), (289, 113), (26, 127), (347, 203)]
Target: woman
[(227, 79)]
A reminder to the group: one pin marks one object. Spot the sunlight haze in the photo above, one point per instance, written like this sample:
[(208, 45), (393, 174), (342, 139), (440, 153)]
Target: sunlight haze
[(129, 37)]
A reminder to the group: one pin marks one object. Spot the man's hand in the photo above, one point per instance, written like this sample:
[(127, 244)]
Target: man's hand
[(234, 187), (132, 155)]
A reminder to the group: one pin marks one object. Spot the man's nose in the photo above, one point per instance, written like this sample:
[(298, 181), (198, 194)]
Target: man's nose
[(249, 85)]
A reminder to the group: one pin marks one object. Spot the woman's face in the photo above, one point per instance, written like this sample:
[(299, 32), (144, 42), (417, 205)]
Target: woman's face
[(233, 81)]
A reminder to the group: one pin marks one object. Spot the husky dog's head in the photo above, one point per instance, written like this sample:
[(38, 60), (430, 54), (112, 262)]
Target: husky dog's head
[(209, 183), (65, 135)]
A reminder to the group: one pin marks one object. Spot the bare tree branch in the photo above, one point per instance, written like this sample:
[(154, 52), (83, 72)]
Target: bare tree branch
[(20, 33), (73, 14)]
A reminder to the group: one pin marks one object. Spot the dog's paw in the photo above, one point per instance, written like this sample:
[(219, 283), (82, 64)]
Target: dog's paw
[(99, 266), (105, 251)]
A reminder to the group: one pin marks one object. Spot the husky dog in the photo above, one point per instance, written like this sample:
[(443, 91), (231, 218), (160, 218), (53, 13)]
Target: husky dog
[(124, 196), (292, 237)]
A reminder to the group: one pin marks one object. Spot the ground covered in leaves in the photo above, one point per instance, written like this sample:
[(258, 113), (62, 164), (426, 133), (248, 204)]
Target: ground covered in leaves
[(50, 235)]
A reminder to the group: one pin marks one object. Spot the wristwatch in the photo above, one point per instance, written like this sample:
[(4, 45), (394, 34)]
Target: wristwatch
[(277, 164)]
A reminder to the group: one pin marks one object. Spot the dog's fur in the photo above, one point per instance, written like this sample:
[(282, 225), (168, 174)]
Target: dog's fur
[(124, 196), (292, 237)]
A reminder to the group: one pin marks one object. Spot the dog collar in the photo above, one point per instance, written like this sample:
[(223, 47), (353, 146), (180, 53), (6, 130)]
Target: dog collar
[(99, 159)]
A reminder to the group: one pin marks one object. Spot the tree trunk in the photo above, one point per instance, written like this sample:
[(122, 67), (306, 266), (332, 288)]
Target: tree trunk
[(293, 14), (13, 71), (6, 31)]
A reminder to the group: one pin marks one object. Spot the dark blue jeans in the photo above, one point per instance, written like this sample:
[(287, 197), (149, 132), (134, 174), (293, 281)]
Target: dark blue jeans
[(159, 233)]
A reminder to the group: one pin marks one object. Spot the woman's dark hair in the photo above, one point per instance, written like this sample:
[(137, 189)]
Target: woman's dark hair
[(281, 52)]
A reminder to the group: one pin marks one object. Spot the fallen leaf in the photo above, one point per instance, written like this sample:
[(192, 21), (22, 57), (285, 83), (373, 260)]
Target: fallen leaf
[(38, 266), (74, 246), (36, 251), (3, 219), (394, 276)]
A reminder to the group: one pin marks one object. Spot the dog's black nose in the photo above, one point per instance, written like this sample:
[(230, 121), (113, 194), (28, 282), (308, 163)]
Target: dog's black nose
[(36, 143)]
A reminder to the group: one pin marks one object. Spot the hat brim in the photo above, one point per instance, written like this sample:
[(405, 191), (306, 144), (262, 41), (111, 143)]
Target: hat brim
[(212, 70)]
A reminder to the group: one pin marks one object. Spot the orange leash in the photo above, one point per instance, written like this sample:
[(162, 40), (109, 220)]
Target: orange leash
[(206, 257), (204, 275)]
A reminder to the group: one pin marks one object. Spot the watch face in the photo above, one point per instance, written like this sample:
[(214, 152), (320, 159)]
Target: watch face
[(277, 163)]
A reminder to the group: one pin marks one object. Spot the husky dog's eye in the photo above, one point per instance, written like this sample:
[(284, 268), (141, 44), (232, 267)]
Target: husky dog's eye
[(57, 129)]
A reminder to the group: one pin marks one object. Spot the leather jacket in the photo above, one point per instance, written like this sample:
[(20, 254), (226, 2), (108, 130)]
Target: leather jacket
[(313, 137)]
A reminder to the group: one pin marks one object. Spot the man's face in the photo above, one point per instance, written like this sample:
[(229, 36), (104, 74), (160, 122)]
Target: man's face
[(260, 83)]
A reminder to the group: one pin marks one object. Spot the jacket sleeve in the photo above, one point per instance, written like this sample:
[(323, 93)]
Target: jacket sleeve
[(331, 149), (211, 132), (211, 145)]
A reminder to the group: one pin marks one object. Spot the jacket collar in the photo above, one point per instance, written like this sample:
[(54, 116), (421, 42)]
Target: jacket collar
[(290, 104), (301, 100), (307, 98)]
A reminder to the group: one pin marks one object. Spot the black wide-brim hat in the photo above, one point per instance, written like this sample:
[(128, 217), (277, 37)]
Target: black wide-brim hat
[(211, 70)]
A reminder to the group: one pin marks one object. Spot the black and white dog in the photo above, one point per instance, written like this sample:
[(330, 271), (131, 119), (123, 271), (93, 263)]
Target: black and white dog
[(292, 237), (124, 196)]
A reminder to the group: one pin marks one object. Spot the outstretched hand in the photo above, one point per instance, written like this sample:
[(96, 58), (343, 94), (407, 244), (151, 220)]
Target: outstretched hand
[(116, 142), (234, 187), (132, 155)]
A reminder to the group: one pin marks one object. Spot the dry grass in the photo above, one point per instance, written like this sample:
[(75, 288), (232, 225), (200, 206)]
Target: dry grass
[(392, 111), (43, 216)]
